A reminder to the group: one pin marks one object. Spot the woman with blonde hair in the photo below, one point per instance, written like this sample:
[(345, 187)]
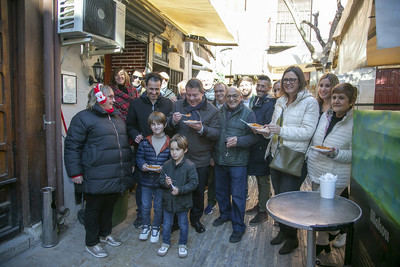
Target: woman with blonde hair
[(325, 85)]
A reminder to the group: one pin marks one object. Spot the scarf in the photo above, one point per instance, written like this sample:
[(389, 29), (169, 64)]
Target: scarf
[(195, 114)]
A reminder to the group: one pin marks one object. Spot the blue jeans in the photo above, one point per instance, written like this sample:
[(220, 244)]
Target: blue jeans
[(183, 226), (231, 181), (150, 194)]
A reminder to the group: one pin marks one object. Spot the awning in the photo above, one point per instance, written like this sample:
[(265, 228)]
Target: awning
[(356, 38), (195, 17)]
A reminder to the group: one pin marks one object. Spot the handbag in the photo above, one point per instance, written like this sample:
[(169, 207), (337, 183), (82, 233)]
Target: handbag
[(286, 159)]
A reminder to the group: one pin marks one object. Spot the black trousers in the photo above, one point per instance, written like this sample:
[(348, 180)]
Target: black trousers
[(198, 195), (98, 216), (283, 182)]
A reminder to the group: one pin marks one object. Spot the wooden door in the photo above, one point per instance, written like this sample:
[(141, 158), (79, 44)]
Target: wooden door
[(8, 197), (387, 89)]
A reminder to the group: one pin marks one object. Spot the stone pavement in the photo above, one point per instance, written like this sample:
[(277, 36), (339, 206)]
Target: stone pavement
[(211, 248)]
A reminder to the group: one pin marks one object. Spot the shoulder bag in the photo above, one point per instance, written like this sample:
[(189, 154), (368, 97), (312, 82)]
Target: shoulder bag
[(286, 159)]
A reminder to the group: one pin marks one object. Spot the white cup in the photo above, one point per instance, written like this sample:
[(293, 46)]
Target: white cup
[(327, 187)]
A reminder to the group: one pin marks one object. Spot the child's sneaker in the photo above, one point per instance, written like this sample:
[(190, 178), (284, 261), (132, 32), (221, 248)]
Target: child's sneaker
[(144, 234), (162, 251), (155, 234), (182, 251), (209, 209)]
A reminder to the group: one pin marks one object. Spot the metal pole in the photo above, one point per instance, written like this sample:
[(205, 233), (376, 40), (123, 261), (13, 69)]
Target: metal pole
[(49, 218), (310, 248)]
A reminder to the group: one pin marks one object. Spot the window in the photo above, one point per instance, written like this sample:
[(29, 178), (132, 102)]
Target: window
[(286, 31), (174, 79)]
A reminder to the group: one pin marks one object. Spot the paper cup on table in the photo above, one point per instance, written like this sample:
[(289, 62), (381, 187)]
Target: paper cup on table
[(327, 185)]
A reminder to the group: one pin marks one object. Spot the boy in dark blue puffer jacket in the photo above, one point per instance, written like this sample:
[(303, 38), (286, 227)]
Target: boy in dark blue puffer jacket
[(153, 151)]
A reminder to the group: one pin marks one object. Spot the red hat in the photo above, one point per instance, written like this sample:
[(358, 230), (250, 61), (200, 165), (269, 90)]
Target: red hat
[(101, 98)]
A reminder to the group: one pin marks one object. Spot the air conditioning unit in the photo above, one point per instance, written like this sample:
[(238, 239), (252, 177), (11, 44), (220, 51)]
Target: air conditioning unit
[(99, 22)]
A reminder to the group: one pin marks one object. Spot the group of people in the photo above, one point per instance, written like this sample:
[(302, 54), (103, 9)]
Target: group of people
[(176, 146)]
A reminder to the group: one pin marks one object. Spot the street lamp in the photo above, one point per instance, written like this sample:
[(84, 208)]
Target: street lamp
[(98, 70)]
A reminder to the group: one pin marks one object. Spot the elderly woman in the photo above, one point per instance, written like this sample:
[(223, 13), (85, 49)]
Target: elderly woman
[(325, 85), (98, 156), (293, 123), (123, 91), (334, 132)]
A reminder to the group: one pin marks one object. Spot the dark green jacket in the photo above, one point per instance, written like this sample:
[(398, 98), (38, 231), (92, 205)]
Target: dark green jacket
[(184, 176), (232, 125)]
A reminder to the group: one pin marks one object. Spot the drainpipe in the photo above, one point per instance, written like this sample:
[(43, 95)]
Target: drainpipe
[(57, 115), (48, 88)]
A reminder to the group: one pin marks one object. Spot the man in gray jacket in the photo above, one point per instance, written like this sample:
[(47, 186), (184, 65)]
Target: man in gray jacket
[(197, 120)]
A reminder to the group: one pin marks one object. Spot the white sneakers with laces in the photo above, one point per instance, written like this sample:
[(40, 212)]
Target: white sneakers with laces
[(110, 240), (98, 251), (162, 251), (155, 234), (182, 251), (144, 234)]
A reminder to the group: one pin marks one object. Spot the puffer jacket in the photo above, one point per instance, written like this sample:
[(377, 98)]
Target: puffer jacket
[(97, 147), (300, 119), (184, 176), (263, 108), (339, 137), (147, 154)]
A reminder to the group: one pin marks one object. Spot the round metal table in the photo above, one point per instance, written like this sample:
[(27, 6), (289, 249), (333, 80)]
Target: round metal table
[(307, 210)]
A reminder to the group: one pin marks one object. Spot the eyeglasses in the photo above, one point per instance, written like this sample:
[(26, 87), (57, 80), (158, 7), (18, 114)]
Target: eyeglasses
[(232, 96), (289, 80), (137, 77)]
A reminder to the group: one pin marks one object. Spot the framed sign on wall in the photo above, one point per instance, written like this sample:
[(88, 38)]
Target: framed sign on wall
[(69, 89)]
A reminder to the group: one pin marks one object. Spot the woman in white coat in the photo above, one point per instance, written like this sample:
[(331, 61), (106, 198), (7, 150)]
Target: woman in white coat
[(335, 132), (299, 111)]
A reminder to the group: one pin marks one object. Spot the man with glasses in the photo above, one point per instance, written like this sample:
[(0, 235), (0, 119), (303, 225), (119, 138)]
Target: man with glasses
[(231, 159)]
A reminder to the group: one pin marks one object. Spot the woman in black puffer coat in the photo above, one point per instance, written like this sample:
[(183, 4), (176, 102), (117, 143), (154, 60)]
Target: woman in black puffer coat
[(98, 156)]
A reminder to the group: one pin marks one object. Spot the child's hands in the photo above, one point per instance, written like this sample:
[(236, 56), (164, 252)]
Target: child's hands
[(175, 190)]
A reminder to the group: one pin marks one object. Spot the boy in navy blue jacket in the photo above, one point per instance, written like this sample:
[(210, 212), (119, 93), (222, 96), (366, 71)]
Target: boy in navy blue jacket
[(153, 151)]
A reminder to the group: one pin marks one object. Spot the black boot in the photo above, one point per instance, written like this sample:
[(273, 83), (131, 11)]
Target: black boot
[(320, 248), (290, 245), (278, 239)]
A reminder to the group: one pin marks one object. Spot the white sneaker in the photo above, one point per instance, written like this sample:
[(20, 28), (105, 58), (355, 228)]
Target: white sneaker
[(162, 251), (182, 251), (111, 241), (339, 241), (144, 234), (155, 234), (98, 251)]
